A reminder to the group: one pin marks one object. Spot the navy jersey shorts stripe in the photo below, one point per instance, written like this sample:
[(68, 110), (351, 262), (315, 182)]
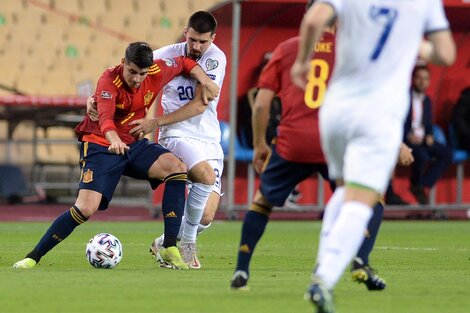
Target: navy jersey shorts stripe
[(101, 169), (281, 176)]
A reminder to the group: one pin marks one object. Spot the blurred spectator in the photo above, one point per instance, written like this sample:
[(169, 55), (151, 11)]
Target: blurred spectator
[(431, 157), (461, 120)]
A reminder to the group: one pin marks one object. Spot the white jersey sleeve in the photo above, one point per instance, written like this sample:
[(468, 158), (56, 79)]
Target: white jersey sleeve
[(377, 44), (181, 89)]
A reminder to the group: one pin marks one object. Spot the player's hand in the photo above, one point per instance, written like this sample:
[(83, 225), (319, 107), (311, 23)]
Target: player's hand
[(406, 156), (298, 74), (118, 147), (143, 127), (91, 108), (429, 139), (413, 139), (260, 154), (210, 91)]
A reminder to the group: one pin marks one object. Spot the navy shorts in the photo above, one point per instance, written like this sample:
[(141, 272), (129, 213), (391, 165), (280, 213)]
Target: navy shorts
[(101, 169), (281, 176)]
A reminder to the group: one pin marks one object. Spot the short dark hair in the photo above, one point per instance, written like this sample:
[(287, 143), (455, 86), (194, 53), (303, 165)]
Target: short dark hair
[(140, 53), (419, 68), (203, 22)]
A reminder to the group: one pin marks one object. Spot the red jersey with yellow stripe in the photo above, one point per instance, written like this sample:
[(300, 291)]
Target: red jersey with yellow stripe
[(118, 104), (298, 137)]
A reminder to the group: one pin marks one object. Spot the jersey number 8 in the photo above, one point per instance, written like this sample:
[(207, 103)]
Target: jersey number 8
[(316, 85)]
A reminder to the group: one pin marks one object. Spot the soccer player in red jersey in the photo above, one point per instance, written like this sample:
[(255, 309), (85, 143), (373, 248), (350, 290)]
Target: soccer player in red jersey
[(108, 151), (295, 153)]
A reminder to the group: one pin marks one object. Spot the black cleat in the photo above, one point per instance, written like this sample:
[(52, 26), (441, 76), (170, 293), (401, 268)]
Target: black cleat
[(239, 281), (321, 297), (363, 273)]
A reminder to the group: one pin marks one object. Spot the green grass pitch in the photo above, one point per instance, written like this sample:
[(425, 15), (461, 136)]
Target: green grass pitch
[(426, 265)]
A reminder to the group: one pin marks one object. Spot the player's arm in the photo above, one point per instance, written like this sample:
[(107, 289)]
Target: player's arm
[(193, 108), (210, 89), (439, 48), (106, 95), (259, 121), (317, 18)]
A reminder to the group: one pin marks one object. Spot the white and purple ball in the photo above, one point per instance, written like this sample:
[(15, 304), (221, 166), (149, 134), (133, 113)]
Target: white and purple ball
[(104, 251)]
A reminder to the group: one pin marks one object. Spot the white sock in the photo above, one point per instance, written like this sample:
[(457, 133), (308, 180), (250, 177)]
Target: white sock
[(329, 217), (344, 240), (201, 228), (195, 204)]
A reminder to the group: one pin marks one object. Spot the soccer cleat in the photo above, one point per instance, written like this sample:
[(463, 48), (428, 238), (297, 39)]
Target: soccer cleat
[(170, 258), (363, 273), (25, 263), (156, 245), (188, 252), (239, 281), (320, 296)]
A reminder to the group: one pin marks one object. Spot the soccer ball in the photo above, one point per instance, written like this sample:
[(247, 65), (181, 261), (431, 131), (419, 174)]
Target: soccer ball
[(104, 251)]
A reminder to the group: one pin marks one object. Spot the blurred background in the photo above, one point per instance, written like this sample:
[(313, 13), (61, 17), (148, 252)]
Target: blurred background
[(53, 51)]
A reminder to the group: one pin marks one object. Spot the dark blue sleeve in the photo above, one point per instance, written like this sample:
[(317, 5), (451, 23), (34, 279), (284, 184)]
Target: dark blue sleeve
[(427, 116)]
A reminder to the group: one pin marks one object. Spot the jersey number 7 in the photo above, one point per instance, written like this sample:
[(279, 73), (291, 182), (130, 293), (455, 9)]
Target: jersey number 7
[(387, 17)]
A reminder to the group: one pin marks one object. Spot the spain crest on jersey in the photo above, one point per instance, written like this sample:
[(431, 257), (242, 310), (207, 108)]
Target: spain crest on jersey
[(148, 97)]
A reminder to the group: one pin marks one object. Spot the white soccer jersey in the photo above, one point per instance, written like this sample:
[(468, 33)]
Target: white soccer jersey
[(181, 89), (377, 44)]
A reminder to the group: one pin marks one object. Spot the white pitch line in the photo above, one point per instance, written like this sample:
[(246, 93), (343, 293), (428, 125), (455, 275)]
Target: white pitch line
[(407, 248), (420, 249)]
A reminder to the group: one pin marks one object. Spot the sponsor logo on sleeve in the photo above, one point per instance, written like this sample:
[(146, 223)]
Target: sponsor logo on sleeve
[(211, 64), (106, 95)]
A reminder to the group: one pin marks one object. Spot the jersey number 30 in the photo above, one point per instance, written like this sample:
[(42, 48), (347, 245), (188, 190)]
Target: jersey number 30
[(316, 85)]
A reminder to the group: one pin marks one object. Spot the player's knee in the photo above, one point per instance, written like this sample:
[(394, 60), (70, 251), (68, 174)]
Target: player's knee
[(202, 173), (87, 209), (178, 167), (206, 177)]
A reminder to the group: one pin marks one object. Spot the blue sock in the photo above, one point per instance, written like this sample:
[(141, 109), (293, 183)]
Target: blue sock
[(253, 228), (60, 229), (372, 230), (173, 206)]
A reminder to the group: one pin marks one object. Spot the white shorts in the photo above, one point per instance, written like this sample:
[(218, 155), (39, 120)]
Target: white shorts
[(193, 151), (360, 148)]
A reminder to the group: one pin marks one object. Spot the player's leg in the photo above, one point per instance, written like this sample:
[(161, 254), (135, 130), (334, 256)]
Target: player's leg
[(360, 269), (214, 198), (370, 152), (203, 178), (204, 161), (157, 164), (172, 172), (100, 175), (277, 181), (209, 212)]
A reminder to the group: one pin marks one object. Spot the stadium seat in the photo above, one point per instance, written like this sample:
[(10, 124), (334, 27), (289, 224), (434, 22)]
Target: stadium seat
[(242, 154), (459, 156)]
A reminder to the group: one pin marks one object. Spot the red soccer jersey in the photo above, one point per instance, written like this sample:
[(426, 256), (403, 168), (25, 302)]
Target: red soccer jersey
[(298, 137), (118, 104)]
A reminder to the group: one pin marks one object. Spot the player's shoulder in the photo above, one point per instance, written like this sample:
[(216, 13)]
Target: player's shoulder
[(290, 42), (287, 46), (169, 51), (214, 52), (112, 76)]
